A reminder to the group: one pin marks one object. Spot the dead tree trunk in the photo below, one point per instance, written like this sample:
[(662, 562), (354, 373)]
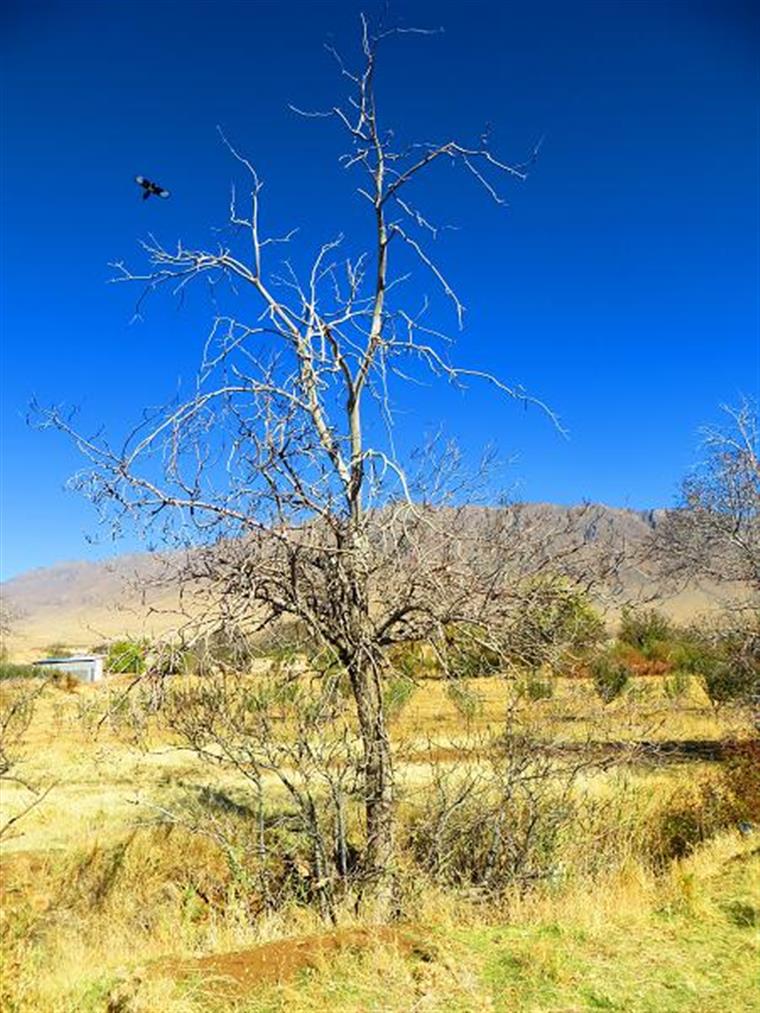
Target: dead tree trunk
[(364, 675)]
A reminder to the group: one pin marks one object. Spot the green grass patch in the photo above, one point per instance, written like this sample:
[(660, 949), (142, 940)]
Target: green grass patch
[(698, 954)]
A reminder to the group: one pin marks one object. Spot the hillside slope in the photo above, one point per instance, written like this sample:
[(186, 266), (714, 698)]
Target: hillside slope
[(80, 604)]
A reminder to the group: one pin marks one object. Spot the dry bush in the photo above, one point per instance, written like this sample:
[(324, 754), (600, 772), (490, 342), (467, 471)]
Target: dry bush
[(501, 820), (692, 814), (294, 742), (486, 834), (741, 777), (18, 699)]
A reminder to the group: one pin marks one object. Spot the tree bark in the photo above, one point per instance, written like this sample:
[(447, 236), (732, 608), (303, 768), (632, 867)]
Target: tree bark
[(379, 793)]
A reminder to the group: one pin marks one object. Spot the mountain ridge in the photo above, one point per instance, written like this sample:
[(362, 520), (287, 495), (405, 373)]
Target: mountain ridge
[(80, 603)]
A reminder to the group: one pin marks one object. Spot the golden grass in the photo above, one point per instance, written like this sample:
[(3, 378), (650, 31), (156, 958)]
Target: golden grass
[(633, 944), (573, 713), (100, 772), (90, 902), (632, 941)]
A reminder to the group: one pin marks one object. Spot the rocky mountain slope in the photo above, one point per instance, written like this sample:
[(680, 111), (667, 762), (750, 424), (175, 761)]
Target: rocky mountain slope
[(81, 604)]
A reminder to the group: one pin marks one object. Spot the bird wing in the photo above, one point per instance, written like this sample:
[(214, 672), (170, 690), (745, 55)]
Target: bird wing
[(150, 187)]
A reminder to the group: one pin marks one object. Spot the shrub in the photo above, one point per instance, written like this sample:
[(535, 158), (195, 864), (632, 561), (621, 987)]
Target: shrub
[(9, 670), (228, 647), (611, 676), (534, 688), (489, 835), (728, 682), (728, 662), (126, 656), (413, 660), (694, 654), (173, 659), (692, 815), (284, 641), (468, 703), (467, 655), (713, 802), (741, 776), (554, 623), (396, 694), (726, 659), (644, 629)]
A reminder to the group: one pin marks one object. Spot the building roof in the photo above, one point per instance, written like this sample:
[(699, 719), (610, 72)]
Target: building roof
[(63, 661)]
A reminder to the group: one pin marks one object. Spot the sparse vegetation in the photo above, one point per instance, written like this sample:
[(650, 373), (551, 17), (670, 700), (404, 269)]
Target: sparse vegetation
[(506, 833)]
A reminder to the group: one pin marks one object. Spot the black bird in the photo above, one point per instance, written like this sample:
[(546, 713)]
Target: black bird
[(150, 188)]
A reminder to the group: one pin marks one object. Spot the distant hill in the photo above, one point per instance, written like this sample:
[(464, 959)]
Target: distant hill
[(81, 604)]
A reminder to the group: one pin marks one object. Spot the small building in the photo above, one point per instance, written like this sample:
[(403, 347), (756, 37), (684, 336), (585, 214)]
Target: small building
[(85, 667)]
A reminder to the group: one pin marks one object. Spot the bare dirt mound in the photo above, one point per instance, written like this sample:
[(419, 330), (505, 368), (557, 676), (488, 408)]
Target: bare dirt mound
[(237, 973)]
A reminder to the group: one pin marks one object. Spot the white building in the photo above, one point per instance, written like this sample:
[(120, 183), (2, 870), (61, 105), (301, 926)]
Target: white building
[(85, 667)]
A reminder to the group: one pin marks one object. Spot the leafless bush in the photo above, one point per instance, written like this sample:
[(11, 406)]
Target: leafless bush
[(499, 818), (293, 742), (17, 703), (715, 533)]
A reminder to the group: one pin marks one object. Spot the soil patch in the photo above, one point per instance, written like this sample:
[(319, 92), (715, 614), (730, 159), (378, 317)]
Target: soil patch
[(239, 972)]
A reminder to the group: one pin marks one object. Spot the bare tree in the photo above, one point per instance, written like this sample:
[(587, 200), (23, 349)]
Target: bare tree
[(8, 618), (280, 469), (715, 532)]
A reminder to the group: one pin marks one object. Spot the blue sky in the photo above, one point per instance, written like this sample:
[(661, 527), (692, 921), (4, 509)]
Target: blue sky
[(621, 285)]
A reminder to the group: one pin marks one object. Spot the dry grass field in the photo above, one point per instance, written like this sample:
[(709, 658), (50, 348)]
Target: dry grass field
[(108, 906)]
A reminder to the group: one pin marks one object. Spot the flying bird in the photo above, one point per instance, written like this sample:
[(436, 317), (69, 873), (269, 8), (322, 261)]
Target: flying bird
[(150, 188)]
